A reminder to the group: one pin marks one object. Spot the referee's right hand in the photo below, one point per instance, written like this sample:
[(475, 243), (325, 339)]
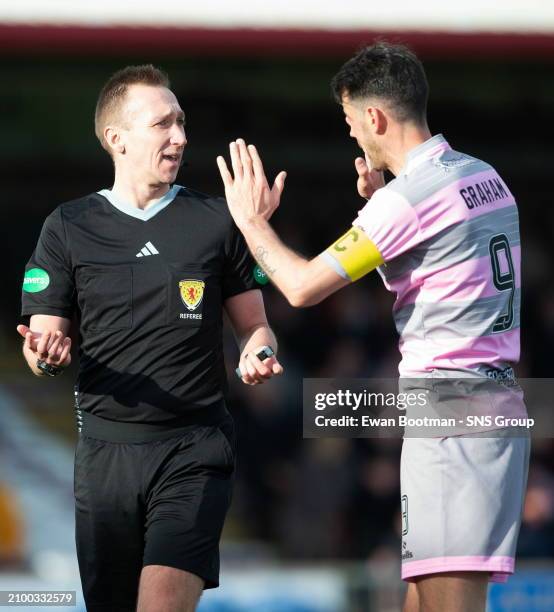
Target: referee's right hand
[(52, 347)]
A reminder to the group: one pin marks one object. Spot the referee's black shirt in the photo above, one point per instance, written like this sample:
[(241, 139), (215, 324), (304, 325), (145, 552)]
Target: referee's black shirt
[(148, 295)]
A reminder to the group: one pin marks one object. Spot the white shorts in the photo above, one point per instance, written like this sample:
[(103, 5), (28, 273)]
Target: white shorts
[(462, 499)]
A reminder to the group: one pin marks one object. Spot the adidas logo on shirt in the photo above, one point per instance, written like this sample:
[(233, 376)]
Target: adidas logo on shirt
[(148, 249)]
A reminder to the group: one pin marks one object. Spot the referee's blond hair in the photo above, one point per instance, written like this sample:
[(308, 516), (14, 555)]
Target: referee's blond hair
[(111, 98)]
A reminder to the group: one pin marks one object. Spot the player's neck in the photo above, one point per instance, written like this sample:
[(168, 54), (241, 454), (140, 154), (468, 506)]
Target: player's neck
[(407, 137), (138, 194)]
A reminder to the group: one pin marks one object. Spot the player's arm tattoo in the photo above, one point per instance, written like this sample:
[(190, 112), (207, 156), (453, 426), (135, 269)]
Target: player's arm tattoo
[(261, 254)]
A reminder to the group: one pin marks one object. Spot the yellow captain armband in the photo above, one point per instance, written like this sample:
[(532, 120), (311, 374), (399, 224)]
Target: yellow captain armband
[(354, 253)]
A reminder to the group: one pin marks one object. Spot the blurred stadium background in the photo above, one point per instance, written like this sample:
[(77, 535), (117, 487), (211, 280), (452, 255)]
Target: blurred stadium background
[(314, 524)]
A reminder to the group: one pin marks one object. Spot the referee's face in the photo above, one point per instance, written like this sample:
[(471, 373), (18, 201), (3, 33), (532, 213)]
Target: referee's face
[(154, 136)]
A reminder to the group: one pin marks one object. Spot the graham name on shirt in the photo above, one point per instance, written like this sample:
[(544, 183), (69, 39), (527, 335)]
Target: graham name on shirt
[(484, 192)]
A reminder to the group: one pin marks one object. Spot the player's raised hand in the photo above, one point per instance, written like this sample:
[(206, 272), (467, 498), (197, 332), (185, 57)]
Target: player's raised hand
[(369, 180), (248, 193), (52, 347)]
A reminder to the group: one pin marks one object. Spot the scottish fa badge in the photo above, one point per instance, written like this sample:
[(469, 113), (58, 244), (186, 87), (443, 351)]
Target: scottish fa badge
[(192, 292)]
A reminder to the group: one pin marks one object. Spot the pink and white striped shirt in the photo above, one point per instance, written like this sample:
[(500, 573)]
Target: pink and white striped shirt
[(447, 227)]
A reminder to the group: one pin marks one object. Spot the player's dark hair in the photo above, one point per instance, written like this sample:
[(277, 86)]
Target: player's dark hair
[(389, 72), (114, 91)]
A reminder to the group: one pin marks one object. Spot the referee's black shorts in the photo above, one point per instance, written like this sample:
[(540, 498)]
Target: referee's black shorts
[(158, 501)]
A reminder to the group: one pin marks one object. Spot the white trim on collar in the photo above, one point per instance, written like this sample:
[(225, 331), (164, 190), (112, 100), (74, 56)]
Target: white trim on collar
[(139, 213), (426, 150)]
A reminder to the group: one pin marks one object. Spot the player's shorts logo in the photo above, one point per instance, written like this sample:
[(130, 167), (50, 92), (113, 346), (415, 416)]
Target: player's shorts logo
[(192, 292), (404, 515)]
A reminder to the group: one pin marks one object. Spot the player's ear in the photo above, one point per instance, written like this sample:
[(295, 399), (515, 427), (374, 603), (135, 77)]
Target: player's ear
[(114, 138), (377, 119)]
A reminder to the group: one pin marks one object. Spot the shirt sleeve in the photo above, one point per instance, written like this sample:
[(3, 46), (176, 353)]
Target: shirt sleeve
[(48, 284), (241, 273), (390, 222)]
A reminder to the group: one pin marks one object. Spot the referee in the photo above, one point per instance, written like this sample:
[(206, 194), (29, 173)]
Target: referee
[(142, 273)]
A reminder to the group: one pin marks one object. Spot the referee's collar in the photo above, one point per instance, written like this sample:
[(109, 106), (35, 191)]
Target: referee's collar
[(139, 213)]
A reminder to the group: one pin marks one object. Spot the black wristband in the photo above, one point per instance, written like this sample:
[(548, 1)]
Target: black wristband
[(48, 368)]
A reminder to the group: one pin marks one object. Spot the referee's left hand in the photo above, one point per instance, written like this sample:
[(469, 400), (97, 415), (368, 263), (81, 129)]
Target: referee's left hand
[(254, 371)]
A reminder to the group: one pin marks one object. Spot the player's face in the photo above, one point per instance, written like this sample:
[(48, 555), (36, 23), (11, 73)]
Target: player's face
[(154, 134), (358, 121)]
